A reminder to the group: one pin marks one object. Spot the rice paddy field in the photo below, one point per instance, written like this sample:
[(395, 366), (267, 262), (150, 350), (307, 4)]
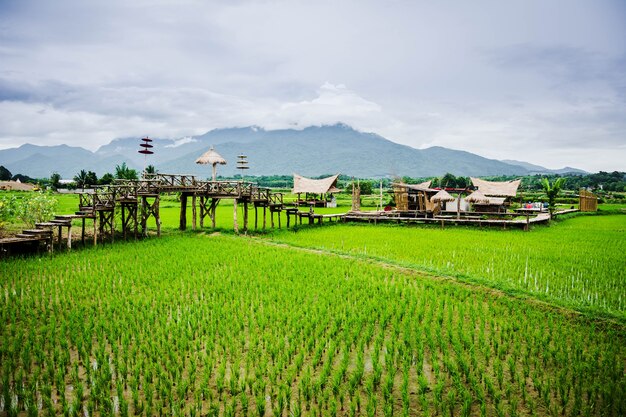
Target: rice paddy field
[(337, 320)]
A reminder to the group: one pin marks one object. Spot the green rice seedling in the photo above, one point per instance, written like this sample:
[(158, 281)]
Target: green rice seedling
[(200, 312)]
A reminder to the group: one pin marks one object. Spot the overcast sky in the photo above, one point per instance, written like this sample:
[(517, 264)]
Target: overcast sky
[(539, 81)]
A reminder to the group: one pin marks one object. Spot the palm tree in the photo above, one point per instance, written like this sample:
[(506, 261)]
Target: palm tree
[(150, 169), (81, 179), (55, 181), (124, 172), (552, 191)]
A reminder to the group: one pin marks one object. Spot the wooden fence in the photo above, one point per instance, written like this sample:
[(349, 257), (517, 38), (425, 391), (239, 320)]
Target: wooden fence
[(588, 201)]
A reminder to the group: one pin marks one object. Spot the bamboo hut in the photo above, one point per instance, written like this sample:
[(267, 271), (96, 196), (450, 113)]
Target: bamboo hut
[(442, 196), (414, 197)]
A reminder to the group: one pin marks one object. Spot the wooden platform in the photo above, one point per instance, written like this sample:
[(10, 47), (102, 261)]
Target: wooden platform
[(503, 220), (32, 238)]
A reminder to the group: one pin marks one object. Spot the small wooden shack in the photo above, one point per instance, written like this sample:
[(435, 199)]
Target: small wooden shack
[(498, 193), (414, 197), (317, 193), (588, 201)]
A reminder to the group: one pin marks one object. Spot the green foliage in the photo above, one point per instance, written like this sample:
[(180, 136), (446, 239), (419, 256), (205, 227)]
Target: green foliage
[(6, 209), (25, 178), (28, 208), (5, 174), (36, 208), (365, 187), (55, 179), (552, 190), (92, 178), (124, 172), (107, 178), (81, 179)]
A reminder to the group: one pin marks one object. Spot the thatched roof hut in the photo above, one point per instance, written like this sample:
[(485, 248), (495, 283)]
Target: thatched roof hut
[(308, 185)]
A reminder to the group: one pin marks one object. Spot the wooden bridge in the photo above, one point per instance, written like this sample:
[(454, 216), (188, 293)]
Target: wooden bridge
[(139, 200)]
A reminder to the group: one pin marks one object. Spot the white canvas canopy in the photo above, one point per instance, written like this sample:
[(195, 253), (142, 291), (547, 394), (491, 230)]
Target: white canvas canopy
[(497, 189)]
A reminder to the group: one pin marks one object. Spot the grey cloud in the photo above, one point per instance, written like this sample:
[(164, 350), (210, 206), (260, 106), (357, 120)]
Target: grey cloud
[(532, 77)]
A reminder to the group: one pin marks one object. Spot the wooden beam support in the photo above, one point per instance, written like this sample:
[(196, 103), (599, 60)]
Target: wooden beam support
[(193, 212), (183, 212), (245, 216), (235, 225)]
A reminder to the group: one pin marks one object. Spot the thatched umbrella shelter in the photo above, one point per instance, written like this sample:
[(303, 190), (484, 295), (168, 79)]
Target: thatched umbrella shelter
[(477, 197), (211, 157), (441, 196)]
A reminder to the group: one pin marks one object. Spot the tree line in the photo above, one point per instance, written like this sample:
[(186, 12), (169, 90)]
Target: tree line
[(602, 181)]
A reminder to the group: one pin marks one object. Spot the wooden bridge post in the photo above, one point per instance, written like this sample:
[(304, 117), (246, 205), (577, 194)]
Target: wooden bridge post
[(82, 233), (236, 226), (245, 216), (212, 210), (123, 222), (202, 211), (183, 211), (95, 228), (193, 212), (157, 216), (144, 216), (256, 218)]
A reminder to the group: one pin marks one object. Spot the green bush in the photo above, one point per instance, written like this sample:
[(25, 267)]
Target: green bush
[(27, 208)]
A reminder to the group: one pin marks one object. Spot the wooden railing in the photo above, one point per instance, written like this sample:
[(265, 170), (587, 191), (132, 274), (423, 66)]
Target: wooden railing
[(152, 184)]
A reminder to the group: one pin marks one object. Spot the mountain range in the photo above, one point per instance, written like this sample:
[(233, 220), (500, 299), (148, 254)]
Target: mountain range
[(313, 151)]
